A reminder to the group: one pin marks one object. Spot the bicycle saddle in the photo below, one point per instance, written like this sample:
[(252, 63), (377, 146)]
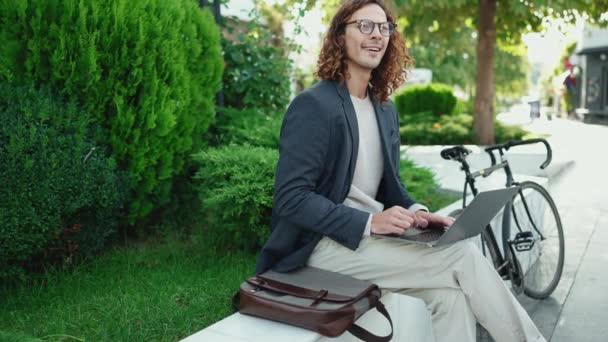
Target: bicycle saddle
[(456, 152)]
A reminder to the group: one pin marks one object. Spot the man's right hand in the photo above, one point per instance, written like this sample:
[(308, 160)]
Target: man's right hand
[(393, 221)]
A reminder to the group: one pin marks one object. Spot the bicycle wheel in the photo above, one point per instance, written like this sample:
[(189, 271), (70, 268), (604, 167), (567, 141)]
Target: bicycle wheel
[(538, 239)]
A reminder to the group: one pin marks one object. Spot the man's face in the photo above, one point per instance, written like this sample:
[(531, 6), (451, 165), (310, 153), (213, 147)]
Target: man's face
[(365, 51)]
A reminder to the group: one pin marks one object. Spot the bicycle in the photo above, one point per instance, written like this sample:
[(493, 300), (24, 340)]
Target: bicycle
[(539, 239)]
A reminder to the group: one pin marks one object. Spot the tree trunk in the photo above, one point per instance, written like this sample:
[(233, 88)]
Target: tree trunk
[(484, 97)]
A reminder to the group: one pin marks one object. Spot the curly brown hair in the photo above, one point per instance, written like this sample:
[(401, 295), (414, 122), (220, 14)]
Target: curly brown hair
[(388, 76)]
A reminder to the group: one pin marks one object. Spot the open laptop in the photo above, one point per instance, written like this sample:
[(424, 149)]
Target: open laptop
[(470, 223)]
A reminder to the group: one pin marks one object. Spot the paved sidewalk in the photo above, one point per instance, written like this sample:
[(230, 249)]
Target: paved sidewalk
[(578, 309)]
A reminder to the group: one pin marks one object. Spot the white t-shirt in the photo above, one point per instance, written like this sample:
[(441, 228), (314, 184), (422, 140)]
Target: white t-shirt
[(370, 163)]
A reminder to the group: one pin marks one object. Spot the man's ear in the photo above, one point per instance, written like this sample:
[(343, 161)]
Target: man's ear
[(341, 41)]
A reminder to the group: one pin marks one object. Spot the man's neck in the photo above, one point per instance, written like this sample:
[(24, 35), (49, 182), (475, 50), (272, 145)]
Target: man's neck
[(358, 81)]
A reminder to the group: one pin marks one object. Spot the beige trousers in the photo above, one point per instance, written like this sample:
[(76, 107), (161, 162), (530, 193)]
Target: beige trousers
[(458, 284)]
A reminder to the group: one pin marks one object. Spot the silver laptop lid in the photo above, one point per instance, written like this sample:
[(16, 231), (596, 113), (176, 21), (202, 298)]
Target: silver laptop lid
[(477, 215)]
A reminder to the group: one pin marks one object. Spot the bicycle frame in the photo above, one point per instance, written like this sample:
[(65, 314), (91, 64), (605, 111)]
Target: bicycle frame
[(500, 259)]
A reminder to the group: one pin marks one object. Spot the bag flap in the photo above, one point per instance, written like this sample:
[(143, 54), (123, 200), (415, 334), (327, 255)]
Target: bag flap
[(312, 282)]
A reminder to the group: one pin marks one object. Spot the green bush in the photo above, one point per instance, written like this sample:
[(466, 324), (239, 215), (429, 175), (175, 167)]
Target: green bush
[(422, 186), (436, 98), (236, 189), (248, 126), (503, 133), (445, 130), (463, 106), (147, 70), (61, 195), (452, 130), (257, 72)]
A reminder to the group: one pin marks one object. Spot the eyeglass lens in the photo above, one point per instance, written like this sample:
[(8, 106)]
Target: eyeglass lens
[(367, 27)]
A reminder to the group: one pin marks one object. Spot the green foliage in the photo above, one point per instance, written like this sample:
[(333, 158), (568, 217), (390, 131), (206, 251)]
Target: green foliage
[(147, 70), (236, 189), (436, 98), (463, 106), (444, 17), (505, 133), (61, 195), (450, 130), (422, 186), (257, 71), (247, 126)]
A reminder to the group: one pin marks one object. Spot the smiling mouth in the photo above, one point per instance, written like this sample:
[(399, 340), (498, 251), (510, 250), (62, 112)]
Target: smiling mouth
[(373, 49)]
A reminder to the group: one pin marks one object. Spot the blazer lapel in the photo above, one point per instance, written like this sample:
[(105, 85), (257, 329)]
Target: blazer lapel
[(351, 119)]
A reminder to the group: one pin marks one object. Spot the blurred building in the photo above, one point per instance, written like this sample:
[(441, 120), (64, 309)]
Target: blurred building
[(591, 97)]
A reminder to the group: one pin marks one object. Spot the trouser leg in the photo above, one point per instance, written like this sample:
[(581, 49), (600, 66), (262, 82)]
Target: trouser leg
[(452, 316), (396, 266)]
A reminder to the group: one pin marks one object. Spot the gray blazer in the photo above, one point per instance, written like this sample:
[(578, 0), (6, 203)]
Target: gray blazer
[(318, 152)]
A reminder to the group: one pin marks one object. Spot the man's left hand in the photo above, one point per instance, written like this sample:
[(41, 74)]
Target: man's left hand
[(426, 219)]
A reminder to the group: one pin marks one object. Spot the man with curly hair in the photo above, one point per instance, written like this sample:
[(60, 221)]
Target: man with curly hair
[(338, 181)]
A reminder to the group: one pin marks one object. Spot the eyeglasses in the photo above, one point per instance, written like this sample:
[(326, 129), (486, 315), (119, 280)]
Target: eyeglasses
[(367, 27)]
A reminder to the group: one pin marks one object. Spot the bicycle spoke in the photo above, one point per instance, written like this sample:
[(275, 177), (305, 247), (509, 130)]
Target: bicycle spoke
[(543, 263)]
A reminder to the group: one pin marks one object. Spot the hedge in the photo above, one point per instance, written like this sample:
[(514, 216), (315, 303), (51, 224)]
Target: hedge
[(146, 70), (436, 98), (61, 195)]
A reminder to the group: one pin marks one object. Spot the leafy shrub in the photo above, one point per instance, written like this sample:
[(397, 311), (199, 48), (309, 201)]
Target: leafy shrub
[(147, 70), (446, 130), (452, 130), (257, 72), (236, 189), (422, 186), (248, 126), (61, 195), (503, 133), (436, 98), (417, 118), (463, 106)]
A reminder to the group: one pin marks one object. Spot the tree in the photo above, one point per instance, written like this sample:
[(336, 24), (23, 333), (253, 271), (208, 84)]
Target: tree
[(502, 22), (453, 61)]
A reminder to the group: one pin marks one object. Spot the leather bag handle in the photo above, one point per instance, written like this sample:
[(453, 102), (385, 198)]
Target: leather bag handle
[(367, 336)]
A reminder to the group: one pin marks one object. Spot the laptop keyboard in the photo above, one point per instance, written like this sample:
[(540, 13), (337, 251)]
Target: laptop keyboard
[(427, 236)]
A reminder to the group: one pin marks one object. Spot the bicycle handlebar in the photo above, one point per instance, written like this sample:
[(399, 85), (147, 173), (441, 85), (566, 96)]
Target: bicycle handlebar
[(512, 143)]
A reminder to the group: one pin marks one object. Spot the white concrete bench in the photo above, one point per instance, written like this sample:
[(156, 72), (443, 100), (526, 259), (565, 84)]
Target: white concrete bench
[(411, 322)]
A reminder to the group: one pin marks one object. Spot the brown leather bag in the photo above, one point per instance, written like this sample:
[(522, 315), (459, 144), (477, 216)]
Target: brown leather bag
[(311, 298)]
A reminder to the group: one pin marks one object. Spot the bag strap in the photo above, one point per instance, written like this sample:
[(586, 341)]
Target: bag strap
[(367, 336), (298, 291)]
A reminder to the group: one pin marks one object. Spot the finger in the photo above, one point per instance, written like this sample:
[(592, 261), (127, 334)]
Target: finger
[(390, 229), (407, 218), (401, 223), (422, 222), (405, 211), (448, 221), (397, 230)]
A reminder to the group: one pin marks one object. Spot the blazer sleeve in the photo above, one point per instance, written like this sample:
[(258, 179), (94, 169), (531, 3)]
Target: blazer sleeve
[(303, 150)]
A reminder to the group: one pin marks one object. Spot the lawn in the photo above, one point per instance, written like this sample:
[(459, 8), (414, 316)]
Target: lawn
[(160, 291)]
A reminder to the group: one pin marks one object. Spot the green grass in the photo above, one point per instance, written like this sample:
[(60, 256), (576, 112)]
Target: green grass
[(147, 292)]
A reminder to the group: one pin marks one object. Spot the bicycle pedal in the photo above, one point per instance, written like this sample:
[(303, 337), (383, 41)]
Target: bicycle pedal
[(523, 241)]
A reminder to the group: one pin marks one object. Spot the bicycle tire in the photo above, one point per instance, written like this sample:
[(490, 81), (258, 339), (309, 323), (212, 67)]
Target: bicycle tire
[(534, 210)]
